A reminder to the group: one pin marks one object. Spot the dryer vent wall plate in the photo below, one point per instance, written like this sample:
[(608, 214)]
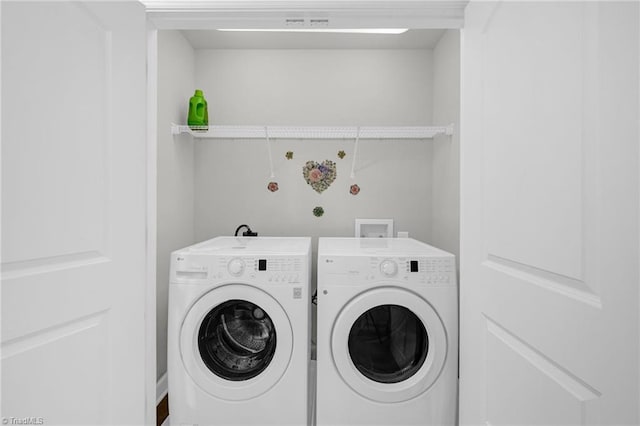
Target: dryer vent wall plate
[(374, 228)]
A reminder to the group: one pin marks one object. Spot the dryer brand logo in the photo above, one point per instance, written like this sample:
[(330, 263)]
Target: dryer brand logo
[(329, 261), (297, 292)]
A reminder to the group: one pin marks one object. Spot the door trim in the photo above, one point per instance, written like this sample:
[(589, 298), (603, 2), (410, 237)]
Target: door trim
[(183, 15), (151, 374)]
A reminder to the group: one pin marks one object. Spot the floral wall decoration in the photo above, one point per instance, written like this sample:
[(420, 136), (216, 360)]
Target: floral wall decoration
[(319, 175)]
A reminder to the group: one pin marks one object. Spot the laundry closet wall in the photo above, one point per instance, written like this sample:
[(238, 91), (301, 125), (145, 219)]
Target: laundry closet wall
[(445, 195), (175, 198), (314, 87)]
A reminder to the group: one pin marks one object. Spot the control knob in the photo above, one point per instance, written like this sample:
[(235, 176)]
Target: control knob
[(388, 268), (236, 267)]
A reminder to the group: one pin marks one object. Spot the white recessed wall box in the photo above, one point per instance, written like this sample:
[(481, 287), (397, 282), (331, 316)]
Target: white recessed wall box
[(374, 228)]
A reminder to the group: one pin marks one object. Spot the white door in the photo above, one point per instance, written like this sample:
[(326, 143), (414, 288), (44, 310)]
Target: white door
[(73, 212), (549, 244)]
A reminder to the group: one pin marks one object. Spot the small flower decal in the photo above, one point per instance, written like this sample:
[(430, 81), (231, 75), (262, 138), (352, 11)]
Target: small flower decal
[(273, 186), (354, 190), (318, 211), (319, 175), (341, 154), (289, 155)]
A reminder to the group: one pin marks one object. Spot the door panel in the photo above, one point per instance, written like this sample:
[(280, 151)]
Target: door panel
[(55, 119), (524, 385), (73, 212), (544, 86), (46, 354), (549, 273)]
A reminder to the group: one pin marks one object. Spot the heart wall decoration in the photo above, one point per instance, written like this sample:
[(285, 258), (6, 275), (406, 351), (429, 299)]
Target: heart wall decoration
[(319, 175)]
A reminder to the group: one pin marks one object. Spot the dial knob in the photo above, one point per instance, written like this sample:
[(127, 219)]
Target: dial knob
[(236, 267), (388, 268)]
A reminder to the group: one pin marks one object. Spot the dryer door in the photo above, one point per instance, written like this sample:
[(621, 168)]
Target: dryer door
[(389, 344), (236, 342)]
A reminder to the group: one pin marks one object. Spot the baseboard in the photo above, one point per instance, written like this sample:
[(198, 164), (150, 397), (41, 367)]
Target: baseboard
[(162, 388)]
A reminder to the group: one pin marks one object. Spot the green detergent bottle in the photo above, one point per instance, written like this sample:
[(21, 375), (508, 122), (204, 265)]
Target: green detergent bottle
[(198, 118)]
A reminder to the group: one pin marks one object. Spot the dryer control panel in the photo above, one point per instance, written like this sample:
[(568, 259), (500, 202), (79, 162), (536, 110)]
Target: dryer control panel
[(408, 270)]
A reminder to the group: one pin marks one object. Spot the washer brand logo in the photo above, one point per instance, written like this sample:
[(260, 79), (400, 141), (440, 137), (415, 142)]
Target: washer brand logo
[(329, 260)]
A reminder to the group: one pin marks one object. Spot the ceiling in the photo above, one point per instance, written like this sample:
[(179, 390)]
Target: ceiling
[(213, 39)]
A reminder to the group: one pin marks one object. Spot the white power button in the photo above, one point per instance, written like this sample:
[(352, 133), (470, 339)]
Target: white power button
[(236, 267), (388, 268)]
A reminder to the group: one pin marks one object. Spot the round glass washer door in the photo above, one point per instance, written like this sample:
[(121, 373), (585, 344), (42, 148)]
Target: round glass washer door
[(389, 344), (236, 342)]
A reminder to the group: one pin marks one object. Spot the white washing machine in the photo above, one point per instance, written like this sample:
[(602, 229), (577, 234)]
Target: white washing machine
[(387, 333), (239, 330)]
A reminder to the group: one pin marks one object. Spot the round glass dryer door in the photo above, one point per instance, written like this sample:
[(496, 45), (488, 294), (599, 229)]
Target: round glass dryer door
[(389, 344), (236, 342)]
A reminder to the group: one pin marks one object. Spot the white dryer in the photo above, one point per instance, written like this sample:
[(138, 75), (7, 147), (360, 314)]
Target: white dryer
[(387, 333), (239, 329)]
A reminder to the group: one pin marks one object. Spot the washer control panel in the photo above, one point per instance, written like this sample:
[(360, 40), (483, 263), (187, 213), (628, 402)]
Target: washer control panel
[(410, 270), (249, 269)]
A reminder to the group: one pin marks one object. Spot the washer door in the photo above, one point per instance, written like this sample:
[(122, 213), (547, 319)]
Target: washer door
[(236, 342), (389, 344)]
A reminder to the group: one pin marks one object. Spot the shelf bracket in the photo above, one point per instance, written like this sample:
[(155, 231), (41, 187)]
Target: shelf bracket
[(266, 133), (449, 130), (355, 153), (175, 129)]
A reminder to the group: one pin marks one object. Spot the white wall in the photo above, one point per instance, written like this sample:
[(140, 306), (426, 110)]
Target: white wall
[(445, 208), (175, 218), (313, 87)]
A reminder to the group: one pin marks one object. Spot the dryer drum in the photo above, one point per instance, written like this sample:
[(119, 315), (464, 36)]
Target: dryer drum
[(237, 340), (388, 343)]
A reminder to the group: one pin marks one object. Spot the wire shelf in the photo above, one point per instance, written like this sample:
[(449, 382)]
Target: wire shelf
[(313, 132)]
